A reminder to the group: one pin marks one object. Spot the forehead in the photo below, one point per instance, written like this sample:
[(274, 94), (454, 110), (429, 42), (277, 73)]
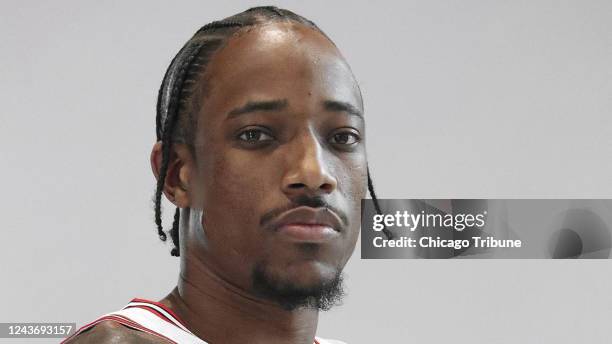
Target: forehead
[(280, 60)]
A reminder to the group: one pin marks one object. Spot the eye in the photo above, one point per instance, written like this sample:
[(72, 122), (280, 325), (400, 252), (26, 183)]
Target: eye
[(346, 138), (254, 136)]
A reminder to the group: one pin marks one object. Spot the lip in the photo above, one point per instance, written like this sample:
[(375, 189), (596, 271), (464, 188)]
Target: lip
[(307, 224)]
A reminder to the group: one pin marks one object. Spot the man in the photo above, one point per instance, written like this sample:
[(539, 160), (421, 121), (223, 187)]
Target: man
[(261, 147)]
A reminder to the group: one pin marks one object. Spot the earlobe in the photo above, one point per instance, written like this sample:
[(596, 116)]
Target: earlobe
[(179, 176), (177, 186)]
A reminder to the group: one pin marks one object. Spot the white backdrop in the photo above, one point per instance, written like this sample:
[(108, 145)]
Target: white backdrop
[(464, 99)]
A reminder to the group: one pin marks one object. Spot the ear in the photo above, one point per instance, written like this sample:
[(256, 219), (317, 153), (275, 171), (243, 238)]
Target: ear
[(179, 173)]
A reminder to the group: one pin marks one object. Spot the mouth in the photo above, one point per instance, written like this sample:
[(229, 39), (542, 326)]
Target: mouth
[(307, 224)]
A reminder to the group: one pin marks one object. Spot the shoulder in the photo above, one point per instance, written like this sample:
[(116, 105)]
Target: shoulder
[(113, 332)]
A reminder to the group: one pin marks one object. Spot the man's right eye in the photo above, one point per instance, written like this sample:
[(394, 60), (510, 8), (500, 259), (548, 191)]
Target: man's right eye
[(254, 136)]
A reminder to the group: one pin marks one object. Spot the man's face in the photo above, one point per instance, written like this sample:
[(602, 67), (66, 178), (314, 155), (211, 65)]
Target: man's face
[(280, 126)]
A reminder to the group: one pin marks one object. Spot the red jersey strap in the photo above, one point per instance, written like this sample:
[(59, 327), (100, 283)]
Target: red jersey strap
[(160, 310)]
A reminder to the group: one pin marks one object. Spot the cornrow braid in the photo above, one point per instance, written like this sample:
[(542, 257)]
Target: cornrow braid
[(218, 25), (177, 105), (174, 233), (169, 123), (387, 232)]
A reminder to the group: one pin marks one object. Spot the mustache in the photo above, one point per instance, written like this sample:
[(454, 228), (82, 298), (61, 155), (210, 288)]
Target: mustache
[(313, 202)]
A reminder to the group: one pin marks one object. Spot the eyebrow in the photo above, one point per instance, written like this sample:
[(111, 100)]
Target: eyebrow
[(281, 104), (334, 105), (254, 106)]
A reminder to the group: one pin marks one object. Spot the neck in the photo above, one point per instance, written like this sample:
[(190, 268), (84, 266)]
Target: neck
[(220, 312)]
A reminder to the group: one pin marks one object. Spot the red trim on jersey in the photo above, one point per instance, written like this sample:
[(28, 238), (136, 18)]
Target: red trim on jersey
[(154, 311), (137, 326), (162, 306)]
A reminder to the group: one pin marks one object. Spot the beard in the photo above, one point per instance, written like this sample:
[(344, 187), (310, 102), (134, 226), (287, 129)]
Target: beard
[(291, 296)]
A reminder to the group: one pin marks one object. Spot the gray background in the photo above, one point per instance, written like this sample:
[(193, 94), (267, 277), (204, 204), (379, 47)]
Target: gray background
[(464, 99)]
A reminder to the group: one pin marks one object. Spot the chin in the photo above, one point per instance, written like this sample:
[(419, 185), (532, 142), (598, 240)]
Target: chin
[(305, 284), (309, 274)]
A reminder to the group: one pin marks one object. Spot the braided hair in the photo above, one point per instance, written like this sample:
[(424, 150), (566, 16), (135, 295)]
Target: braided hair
[(177, 107)]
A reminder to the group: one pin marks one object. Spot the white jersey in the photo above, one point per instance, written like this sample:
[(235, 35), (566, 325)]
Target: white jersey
[(159, 320)]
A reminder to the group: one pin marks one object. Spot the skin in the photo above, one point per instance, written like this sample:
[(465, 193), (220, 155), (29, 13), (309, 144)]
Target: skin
[(304, 149)]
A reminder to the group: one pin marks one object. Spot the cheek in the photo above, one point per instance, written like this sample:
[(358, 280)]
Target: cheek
[(353, 183), (231, 183), (233, 195), (351, 175)]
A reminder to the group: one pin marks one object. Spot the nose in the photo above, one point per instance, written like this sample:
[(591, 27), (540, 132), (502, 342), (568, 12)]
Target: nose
[(307, 169)]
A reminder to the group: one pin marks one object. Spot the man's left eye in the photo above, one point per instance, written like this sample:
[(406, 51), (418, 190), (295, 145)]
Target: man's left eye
[(345, 138), (254, 135)]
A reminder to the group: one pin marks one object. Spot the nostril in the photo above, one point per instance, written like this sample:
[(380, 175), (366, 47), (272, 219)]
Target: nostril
[(327, 187), (297, 186)]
